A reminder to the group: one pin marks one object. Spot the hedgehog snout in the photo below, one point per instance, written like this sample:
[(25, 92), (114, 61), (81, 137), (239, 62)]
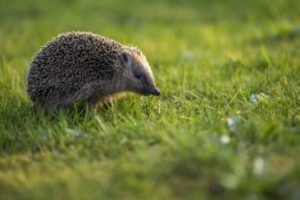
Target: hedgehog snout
[(152, 91), (156, 92)]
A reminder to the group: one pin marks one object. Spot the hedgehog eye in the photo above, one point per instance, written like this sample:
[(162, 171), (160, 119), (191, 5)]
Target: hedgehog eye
[(138, 76)]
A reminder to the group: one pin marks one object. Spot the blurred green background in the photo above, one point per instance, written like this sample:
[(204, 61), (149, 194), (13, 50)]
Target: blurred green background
[(226, 126)]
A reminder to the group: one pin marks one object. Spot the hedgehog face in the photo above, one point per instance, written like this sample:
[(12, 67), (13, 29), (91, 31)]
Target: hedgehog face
[(137, 73)]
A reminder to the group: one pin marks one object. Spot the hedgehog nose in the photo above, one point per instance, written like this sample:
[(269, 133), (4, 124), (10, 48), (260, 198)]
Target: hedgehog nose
[(156, 92)]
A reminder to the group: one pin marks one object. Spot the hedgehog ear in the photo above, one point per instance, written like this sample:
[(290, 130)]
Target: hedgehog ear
[(125, 58)]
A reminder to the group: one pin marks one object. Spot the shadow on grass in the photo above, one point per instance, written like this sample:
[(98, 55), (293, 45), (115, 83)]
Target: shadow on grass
[(281, 35), (23, 128)]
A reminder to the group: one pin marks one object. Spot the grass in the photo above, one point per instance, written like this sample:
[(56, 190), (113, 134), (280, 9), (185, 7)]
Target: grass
[(227, 124)]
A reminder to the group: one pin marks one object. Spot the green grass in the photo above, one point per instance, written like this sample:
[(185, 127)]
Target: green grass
[(227, 125)]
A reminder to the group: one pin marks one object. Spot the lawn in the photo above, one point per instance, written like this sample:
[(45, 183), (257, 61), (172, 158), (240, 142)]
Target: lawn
[(226, 126)]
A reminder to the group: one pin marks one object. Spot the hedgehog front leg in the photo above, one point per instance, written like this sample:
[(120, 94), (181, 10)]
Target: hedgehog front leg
[(93, 93), (108, 102)]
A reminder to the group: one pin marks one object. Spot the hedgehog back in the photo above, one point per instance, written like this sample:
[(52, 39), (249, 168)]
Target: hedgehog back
[(69, 62)]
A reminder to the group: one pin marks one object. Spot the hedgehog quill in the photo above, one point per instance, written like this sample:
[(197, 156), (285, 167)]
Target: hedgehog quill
[(82, 67)]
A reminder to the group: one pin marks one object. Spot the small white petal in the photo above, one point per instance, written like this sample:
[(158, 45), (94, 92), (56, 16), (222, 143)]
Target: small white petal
[(258, 166), (225, 139)]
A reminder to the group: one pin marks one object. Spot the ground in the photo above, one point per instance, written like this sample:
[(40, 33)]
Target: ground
[(226, 126)]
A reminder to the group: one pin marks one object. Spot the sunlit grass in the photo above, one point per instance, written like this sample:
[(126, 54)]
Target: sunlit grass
[(226, 126)]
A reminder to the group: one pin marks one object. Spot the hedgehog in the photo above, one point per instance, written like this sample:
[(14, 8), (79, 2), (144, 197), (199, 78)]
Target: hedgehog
[(86, 68)]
